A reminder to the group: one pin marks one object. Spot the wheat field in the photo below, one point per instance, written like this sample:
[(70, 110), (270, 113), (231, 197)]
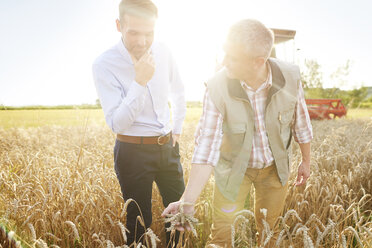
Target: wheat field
[(58, 189)]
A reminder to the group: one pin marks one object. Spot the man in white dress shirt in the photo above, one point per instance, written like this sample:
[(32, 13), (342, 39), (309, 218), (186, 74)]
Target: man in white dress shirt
[(134, 81)]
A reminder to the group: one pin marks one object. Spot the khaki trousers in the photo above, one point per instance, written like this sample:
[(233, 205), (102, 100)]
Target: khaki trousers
[(270, 194)]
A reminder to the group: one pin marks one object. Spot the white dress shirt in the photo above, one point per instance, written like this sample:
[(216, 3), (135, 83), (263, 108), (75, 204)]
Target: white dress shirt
[(132, 109)]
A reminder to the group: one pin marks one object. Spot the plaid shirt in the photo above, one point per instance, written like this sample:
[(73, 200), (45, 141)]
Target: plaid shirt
[(208, 135)]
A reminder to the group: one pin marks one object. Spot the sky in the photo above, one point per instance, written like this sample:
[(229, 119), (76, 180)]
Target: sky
[(47, 47)]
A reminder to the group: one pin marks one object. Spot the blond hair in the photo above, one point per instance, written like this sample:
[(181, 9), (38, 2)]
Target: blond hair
[(142, 8)]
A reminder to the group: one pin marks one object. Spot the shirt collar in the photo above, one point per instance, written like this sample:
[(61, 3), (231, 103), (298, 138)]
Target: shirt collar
[(124, 52), (266, 85)]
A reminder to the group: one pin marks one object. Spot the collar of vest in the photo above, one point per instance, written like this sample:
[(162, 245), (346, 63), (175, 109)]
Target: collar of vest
[(235, 89)]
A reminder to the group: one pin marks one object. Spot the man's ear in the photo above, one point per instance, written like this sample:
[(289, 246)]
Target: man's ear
[(260, 61), (118, 25)]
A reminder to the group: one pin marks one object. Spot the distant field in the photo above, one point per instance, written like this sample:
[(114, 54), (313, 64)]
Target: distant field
[(359, 113), (79, 117), (61, 117)]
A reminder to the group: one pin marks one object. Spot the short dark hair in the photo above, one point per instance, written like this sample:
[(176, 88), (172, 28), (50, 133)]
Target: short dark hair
[(142, 8)]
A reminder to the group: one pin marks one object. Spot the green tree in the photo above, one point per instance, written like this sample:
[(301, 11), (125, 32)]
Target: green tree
[(340, 76), (98, 103), (312, 79), (357, 96), (311, 76)]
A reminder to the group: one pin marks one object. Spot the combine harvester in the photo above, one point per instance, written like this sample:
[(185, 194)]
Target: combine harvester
[(319, 109)]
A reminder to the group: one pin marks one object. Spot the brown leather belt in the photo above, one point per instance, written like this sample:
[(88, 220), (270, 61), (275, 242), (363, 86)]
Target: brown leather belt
[(153, 140)]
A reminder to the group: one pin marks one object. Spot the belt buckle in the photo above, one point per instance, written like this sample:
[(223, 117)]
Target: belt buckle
[(161, 142)]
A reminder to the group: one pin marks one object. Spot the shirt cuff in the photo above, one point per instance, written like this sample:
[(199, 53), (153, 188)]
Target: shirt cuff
[(177, 127), (302, 138), (177, 130), (204, 164), (200, 157), (135, 91)]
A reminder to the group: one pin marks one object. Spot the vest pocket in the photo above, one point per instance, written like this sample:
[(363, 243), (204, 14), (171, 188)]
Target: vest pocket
[(286, 119), (232, 140)]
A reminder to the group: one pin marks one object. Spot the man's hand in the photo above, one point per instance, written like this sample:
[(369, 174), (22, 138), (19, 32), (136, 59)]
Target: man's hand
[(174, 208), (175, 138), (144, 68), (303, 173), (198, 177), (304, 168)]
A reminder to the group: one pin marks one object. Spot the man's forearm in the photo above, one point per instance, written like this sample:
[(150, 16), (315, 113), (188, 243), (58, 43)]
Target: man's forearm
[(124, 115), (199, 175), (305, 152)]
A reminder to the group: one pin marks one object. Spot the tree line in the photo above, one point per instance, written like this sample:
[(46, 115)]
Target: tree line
[(313, 83)]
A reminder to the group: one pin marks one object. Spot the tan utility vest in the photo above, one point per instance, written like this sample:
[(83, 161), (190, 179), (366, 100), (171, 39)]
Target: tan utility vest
[(238, 124)]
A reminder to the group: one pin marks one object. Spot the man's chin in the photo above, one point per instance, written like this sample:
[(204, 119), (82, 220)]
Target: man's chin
[(229, 74), (138, 54)]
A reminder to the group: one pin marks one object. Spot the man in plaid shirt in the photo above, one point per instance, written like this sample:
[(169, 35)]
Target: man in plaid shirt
[(252, 108)]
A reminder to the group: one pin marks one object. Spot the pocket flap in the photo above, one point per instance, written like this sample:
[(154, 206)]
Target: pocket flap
[(235, 128), (286, 116)]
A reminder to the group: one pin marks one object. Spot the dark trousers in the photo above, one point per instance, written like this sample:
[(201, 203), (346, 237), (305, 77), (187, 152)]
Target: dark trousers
[(137, 166)]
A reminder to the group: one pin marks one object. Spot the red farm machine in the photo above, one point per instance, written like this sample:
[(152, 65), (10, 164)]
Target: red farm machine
[(319, 109)]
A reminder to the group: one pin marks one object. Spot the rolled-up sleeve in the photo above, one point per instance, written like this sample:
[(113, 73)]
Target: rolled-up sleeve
[(120, 108), (302, 129), (208, 135)]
